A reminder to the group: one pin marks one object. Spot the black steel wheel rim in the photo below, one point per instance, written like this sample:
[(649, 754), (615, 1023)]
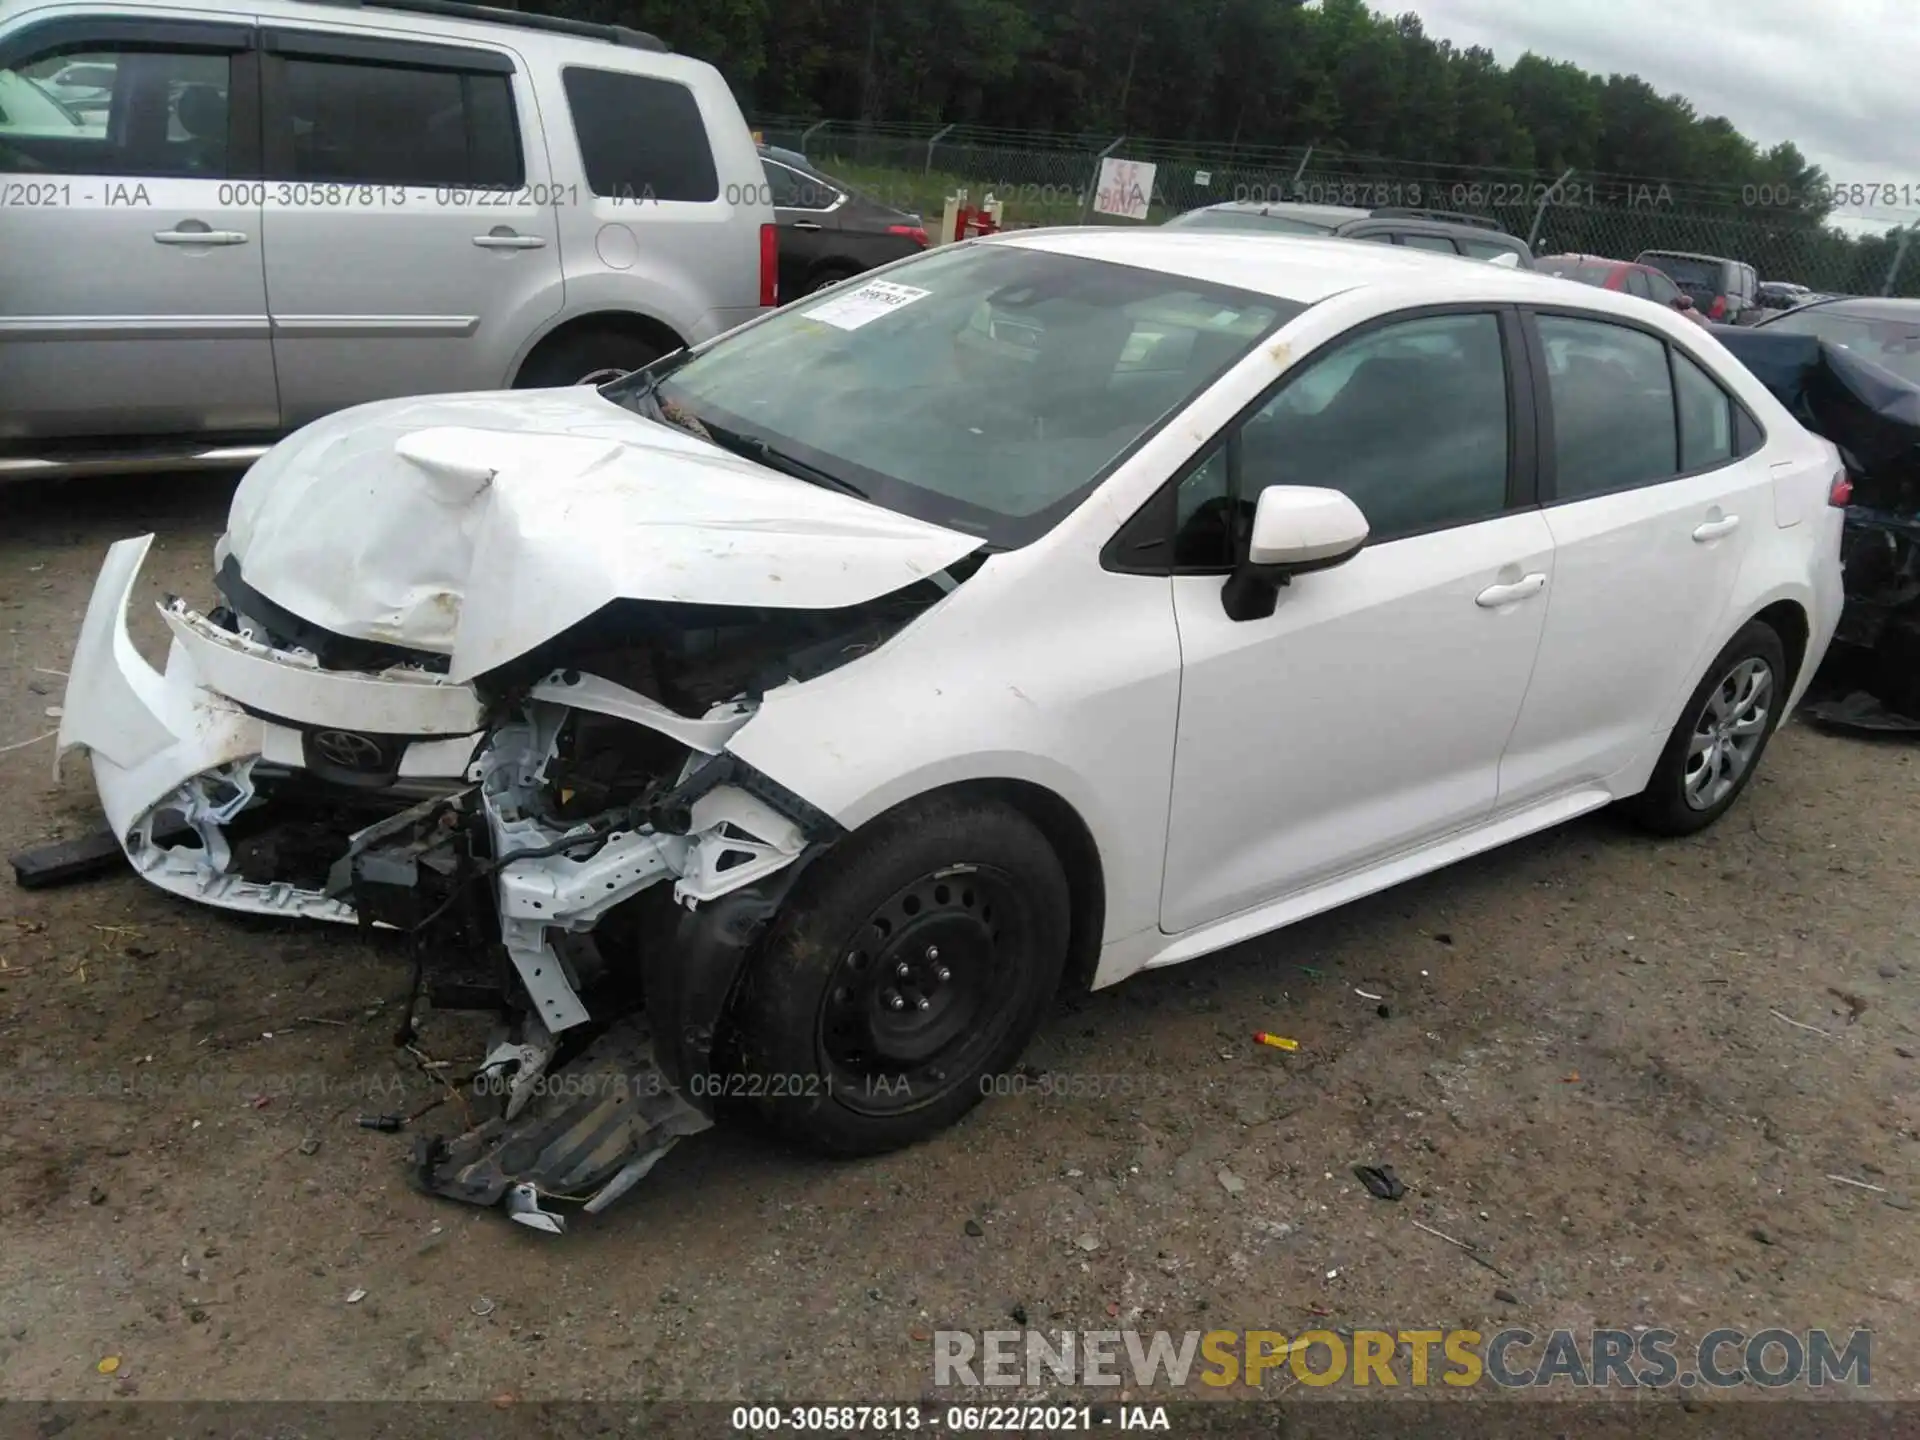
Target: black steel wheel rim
[(925, 990)]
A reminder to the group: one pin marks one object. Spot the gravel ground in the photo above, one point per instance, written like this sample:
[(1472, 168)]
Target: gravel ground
[(1623, 1068)]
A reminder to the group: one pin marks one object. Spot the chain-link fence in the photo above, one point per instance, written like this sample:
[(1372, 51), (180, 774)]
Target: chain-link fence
[(1049, 180)]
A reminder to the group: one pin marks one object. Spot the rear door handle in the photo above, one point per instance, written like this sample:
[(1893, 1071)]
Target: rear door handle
[(200, 237), (510, 242), (806, 225), (1494, 596), (1714, 529)]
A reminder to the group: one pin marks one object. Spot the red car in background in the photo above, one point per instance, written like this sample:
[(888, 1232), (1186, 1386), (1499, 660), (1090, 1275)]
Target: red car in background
[(1636, 279)]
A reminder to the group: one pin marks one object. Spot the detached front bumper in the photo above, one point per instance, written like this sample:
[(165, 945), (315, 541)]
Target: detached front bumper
[(177, 756)]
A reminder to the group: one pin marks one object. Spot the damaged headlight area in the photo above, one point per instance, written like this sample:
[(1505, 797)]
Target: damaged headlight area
[(565, 842)]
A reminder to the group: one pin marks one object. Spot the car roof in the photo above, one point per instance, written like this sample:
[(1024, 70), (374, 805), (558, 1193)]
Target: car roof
[(1320, 214), (1304, 269), (1866, 307), (427, 16), (1693, 255)]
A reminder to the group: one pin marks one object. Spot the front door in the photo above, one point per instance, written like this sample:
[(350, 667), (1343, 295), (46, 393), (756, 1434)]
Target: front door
[(1368, 713), (132, 292)]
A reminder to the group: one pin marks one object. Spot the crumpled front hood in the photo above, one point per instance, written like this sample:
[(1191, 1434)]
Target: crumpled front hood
[(478, 526)]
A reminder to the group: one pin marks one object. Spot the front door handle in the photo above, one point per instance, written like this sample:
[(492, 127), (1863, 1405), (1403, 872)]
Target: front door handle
[(1714, 529), (202, 236), (1494, 596), (497, 240)]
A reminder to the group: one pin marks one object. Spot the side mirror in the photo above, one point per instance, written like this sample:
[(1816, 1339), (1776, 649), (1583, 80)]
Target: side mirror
[(1296, 529), (1683, 302)]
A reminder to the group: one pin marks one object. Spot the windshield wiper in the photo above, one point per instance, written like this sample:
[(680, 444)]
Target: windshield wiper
[(643, 384), (754, 448)]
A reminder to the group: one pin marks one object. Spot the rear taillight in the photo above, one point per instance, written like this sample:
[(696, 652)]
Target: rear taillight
[(769, 265), (1719, 310), (912, 232), (1840, 493)]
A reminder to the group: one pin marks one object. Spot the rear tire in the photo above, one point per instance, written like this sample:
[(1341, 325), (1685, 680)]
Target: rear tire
[(913, 964), (1712, 753), (829, 276), (586, 357)]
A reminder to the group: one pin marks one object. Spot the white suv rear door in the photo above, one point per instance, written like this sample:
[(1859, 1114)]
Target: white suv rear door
[(411, 224)]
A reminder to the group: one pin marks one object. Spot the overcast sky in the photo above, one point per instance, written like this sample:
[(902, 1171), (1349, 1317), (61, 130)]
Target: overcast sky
[(1839, 78)]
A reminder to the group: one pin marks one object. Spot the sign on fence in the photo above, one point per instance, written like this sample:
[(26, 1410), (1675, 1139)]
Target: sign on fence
[(1126, 188)]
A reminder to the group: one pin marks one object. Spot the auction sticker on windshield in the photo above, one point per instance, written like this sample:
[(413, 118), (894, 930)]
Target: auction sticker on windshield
[(868, 303)]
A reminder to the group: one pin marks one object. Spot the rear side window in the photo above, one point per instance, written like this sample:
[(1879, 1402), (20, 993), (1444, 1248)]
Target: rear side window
[(1706, 417), (1485, 249), (1614, 425), (640, 138), (372, 124), (1430, 242), (1637, 284)]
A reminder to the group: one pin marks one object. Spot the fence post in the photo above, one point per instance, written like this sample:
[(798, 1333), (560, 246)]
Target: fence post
[(808, 133), (1540, 214), (1899, 258), (1293, 185), (938, 136), (1093, 185)]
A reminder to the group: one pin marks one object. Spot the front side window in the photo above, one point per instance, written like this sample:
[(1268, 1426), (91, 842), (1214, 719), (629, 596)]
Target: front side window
[(1409, 420), (141, 113), (1614, 425), (1660, 288), (349, 122), (1247, 220), (986, 388), (641, 139), (1438, 243), (1486, 249)]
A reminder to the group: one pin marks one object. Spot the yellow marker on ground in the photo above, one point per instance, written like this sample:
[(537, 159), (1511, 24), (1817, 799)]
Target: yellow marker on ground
[(1279, 1042)]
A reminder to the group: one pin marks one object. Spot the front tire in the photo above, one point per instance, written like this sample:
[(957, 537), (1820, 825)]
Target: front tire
[(1714, 750), (913, 965)]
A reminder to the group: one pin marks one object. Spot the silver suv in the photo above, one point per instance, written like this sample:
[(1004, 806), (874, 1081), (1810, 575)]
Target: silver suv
[(285, 210)]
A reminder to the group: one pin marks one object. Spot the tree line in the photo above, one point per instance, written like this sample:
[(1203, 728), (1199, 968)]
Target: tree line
[(1261, 73), (1257, 75)]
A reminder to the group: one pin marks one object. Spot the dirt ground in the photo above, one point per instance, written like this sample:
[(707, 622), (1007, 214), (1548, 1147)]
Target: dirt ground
[(1623, 1068)]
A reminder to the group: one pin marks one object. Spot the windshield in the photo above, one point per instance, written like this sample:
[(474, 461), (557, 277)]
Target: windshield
[(986, 388), (1889, 342), (1699, 278), (1246, 220)]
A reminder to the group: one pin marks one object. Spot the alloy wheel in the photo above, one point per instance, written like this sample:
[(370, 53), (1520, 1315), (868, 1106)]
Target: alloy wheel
[(1727, 733)]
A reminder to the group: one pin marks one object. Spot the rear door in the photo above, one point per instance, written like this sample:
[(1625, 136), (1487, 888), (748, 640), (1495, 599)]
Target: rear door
[(1652, 505), (807, 211), (132, 293), (410, 219)]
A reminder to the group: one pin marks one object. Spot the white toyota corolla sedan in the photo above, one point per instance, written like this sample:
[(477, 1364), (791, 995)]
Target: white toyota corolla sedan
[(787, 720)]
